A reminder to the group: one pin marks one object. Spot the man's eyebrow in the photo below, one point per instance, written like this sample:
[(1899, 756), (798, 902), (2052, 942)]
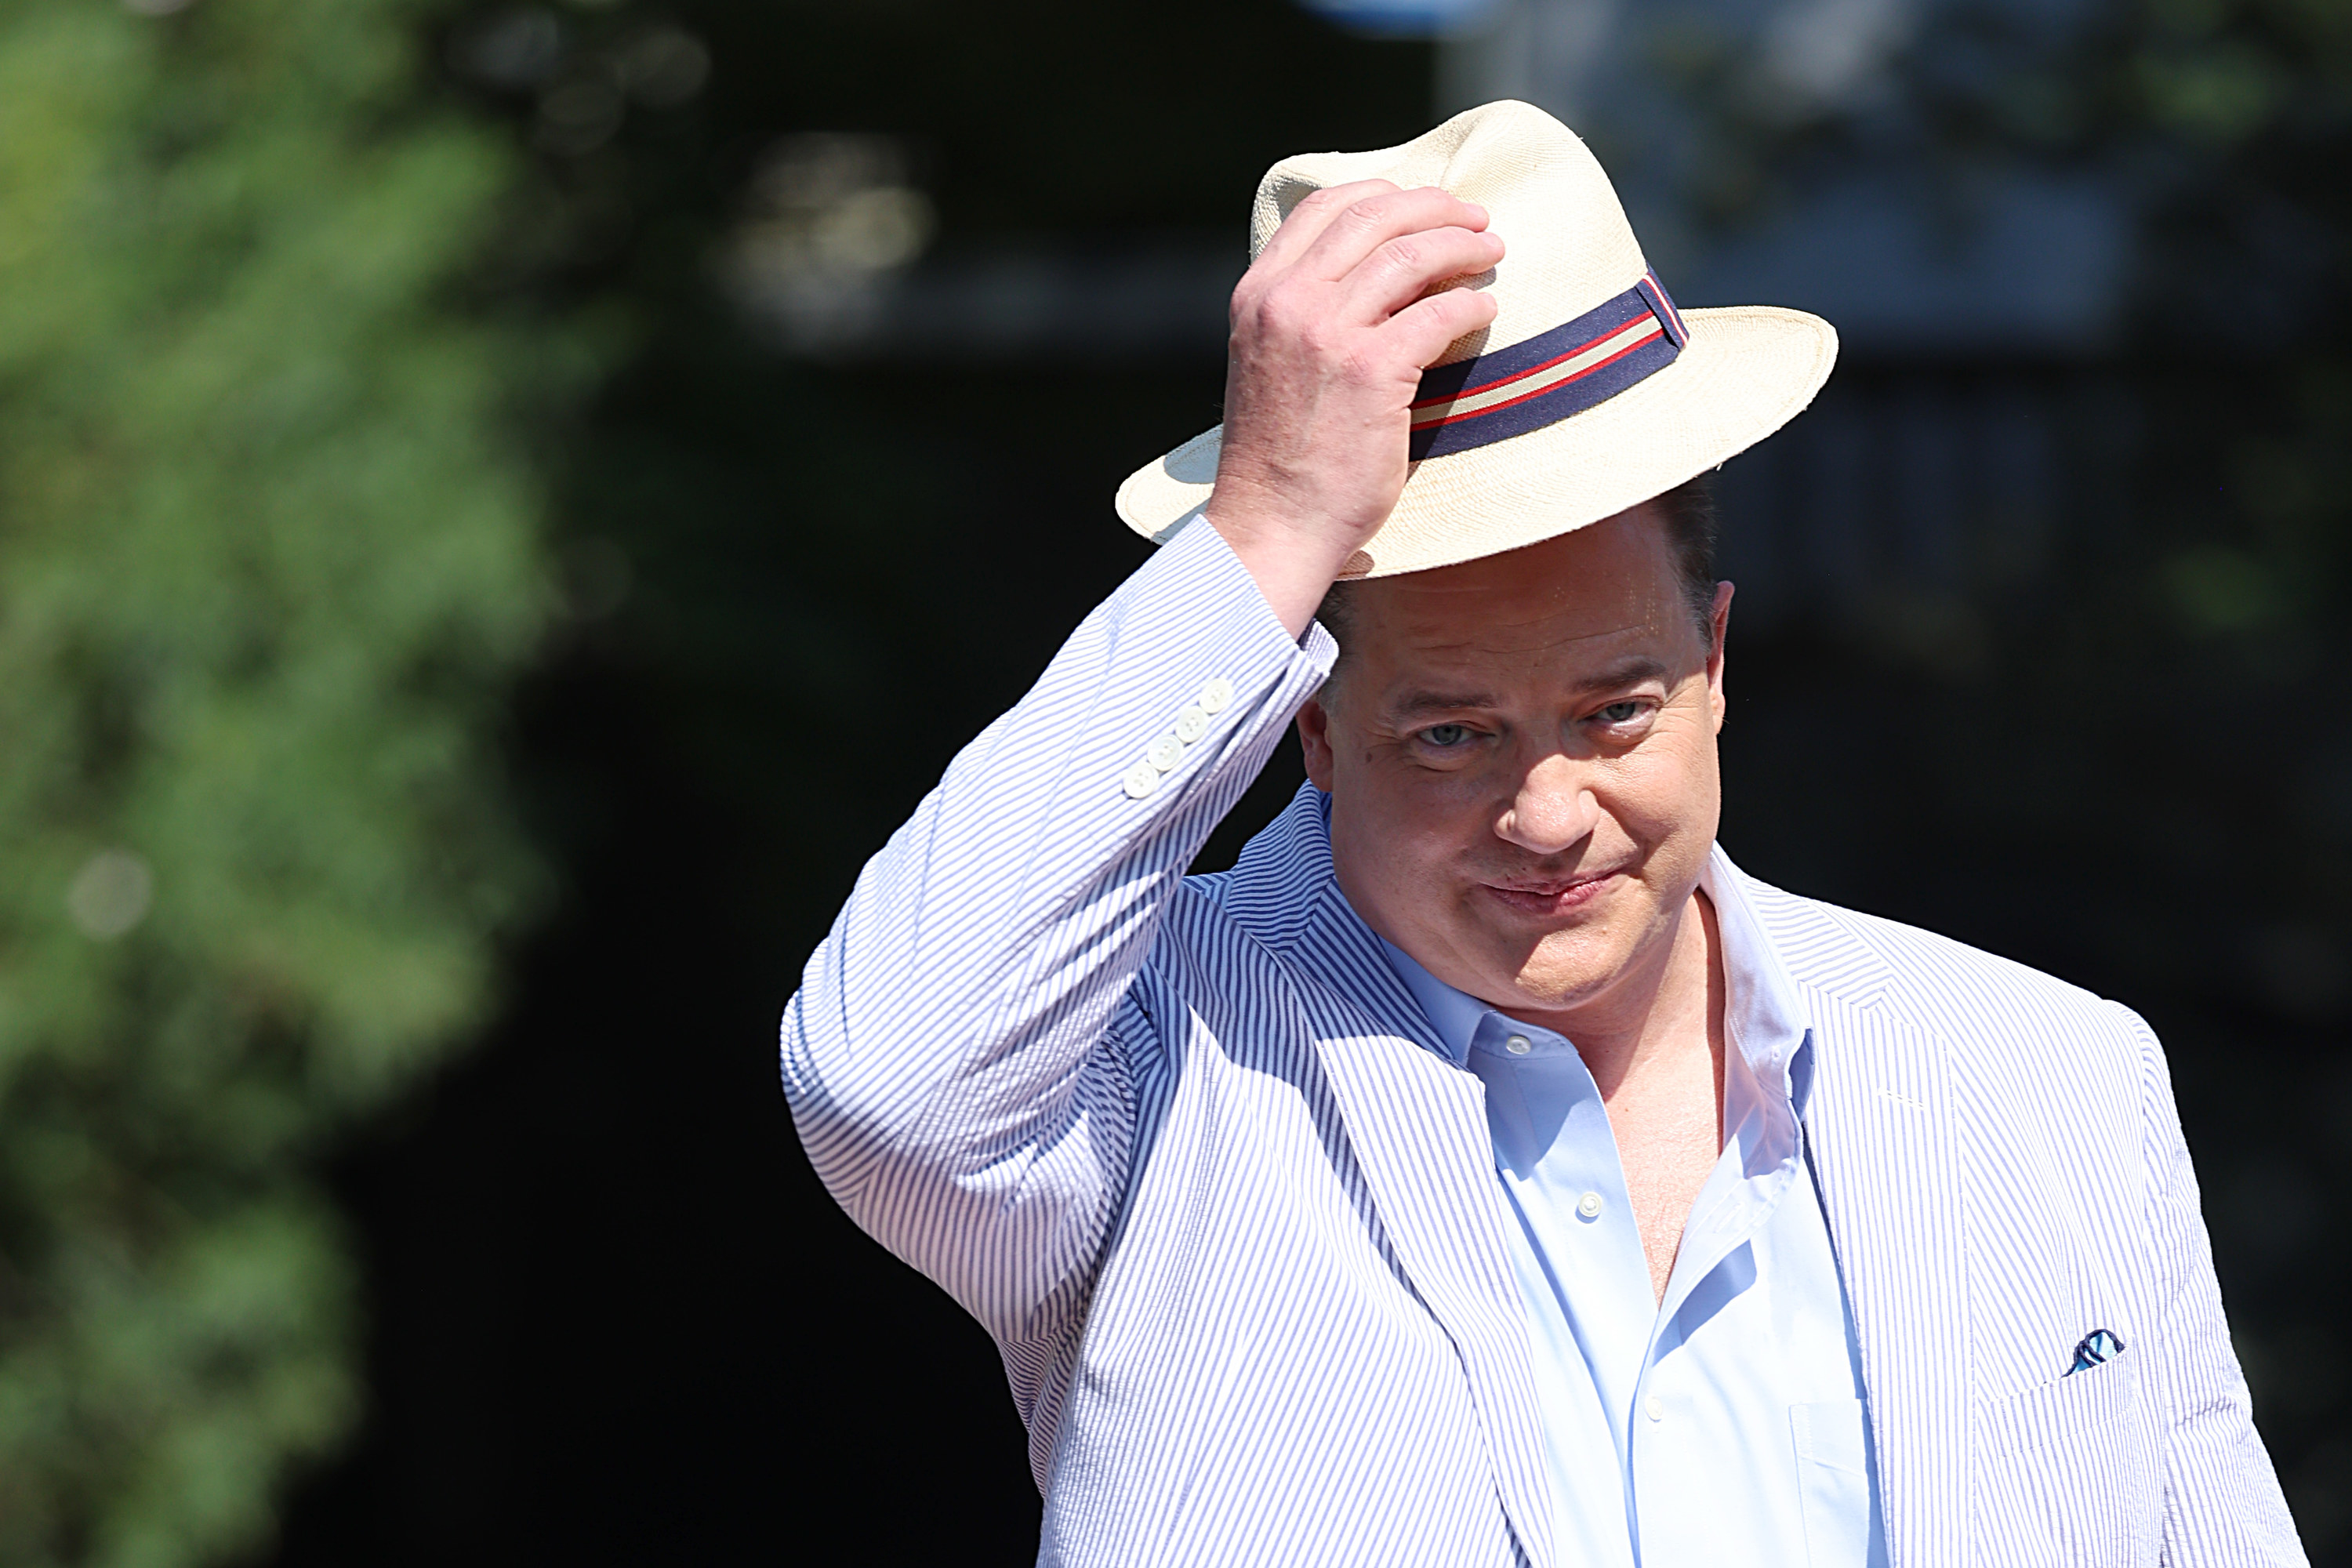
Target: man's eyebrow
[(1624, 672), (1621, 672), (1430, 702)]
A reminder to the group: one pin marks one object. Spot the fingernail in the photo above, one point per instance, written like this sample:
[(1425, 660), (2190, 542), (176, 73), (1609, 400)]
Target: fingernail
[(1478, 211)]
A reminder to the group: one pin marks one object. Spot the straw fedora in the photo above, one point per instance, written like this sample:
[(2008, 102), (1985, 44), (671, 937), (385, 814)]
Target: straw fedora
[(1588, 393)]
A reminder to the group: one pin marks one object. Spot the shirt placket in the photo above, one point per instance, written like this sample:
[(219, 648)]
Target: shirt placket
[(1560, 1157), (1732, 1209)]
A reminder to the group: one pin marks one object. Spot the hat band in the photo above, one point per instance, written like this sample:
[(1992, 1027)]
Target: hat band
[(1547, 378)]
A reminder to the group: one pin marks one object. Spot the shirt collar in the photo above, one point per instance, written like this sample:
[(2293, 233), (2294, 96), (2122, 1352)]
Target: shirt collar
[(1763, 1018)]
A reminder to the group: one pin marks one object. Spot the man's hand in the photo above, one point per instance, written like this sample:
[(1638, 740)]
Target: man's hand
[(1332, 327)]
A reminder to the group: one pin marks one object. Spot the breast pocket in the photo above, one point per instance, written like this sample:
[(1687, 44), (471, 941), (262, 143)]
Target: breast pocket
[(1832, 1442), (2065, 1413), (2065, 1474)]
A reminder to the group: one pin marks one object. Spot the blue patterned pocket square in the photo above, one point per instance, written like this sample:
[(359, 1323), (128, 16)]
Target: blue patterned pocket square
[(2097, 1346)]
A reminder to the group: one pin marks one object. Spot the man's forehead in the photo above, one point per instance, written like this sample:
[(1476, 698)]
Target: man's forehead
[(1585, 593), (1561, 642)]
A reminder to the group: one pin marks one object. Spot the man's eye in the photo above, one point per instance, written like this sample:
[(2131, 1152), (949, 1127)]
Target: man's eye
[(1446, 734), (1620, 712)]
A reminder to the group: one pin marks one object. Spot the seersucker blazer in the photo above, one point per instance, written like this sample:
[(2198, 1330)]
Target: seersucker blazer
[(1184, 1146)]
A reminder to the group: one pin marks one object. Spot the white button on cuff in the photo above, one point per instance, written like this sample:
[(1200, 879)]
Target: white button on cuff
[(1140, 780), (1191, 724), (1518, 1044), (1216, 695), (1589, 1205), (1654, 1408), (1165, 752)]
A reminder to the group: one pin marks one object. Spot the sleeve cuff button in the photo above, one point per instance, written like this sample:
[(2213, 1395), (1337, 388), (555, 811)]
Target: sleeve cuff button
[(1216, 695), (1140, 780)]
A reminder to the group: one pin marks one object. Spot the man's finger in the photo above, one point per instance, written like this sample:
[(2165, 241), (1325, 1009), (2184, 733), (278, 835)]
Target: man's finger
[(1404, 268), (1308, 219), (1421, 331), (1364, 225)]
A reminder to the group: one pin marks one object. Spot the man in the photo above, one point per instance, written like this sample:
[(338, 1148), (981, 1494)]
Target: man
[(1486, 1170)]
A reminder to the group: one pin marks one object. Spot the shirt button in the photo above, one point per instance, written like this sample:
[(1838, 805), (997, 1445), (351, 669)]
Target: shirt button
[(1191, 724), (1589, 1205), (1140, 780), (1165, 752), (1654, 1408), (1216, 695), (1517, 1045)]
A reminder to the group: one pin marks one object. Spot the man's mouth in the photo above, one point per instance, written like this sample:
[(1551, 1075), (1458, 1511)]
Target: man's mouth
[(1548, 895)]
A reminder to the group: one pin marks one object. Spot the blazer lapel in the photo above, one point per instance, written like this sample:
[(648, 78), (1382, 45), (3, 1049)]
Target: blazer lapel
[(1879, 1126), (1417, 1126), (1880, 1130)]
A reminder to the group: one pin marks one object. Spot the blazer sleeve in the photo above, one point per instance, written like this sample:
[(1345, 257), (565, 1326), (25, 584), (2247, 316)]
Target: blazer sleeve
[(949, 1058), (2221, 1497)]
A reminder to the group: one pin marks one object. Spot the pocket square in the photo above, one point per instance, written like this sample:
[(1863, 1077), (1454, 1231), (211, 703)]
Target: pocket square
[(2098, 1345)]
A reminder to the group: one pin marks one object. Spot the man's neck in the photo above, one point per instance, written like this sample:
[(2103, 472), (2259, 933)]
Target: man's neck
[(1660, 1016), (1658, 1064)]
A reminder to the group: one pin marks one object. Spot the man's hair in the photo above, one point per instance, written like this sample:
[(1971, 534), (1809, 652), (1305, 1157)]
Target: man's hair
[(1687, 511)]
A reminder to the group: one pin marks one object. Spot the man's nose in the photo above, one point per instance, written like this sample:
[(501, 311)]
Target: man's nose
[(1553, 810)]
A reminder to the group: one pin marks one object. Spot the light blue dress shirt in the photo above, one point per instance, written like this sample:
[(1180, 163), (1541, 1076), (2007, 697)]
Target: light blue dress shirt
[(1724, 1425)]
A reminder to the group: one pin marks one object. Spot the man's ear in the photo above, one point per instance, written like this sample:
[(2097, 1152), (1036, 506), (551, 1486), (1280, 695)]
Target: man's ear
[(1315, 740), (1718, 623)]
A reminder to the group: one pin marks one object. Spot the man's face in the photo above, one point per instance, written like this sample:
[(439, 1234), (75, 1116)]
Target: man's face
[(1520, 756)]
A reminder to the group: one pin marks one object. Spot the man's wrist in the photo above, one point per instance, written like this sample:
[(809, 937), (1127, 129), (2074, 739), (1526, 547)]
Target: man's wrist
[(1293, 568)]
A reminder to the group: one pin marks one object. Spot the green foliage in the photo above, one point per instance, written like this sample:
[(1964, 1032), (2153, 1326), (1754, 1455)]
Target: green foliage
[(267, 559)]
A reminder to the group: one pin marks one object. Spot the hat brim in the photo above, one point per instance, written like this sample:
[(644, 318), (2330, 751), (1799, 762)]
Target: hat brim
[(1747, 371)]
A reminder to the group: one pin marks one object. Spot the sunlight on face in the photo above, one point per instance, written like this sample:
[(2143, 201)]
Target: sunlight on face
[(1521, 761)]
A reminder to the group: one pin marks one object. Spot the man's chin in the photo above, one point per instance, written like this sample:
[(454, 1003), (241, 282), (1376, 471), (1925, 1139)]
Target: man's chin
[(1564, 974), (1554, 993)]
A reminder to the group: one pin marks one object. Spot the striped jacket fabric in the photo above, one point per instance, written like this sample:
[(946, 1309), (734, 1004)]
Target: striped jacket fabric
[(1182, 1144)]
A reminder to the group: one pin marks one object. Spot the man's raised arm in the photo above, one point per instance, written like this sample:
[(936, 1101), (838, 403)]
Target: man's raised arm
[(947, 1055)]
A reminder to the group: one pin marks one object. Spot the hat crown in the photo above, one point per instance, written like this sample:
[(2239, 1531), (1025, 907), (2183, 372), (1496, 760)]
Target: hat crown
[(1569, 246)]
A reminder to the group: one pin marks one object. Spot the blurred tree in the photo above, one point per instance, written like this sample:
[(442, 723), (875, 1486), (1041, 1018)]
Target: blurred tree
[(268, 561)]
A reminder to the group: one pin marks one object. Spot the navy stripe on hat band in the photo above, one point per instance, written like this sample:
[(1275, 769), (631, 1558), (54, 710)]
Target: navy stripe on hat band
[(1548, 377)]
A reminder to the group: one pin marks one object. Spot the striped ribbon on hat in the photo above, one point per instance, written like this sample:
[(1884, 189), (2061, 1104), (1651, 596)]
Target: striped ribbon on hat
[(1547, 378)]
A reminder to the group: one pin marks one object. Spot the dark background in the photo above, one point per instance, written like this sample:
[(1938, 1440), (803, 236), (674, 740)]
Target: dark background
[(2091, 723)]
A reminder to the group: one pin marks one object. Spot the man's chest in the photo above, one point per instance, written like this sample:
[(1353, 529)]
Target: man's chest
[(1667, 1144)]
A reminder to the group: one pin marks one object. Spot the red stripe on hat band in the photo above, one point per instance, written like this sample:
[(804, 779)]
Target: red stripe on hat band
[(1638, 343), (1483, 386)]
